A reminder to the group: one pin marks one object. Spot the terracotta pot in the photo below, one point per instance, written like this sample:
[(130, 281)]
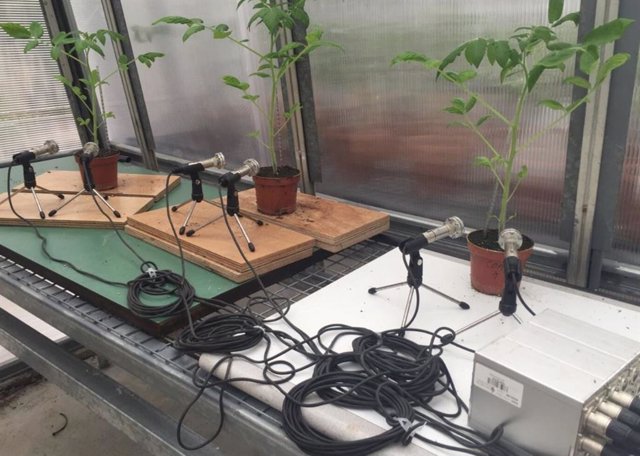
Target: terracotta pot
[(104, 171), (276, 195), (487, 273)]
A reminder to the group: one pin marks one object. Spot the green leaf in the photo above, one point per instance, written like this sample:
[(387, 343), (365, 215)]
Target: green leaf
[(482, 161), (588, 61), (559, 45), (556, 59), (453, 55), (254, 134), (491, 51), (55, 52), (123, 62), (573, 17), (221, 31), (552, 104), (534, 75), (475, 50), (408, 56), (458, 103), (613, 62), (94, 47), (108, 115), (454, 110), (260, 74), (149, 57), (251, 97), (301, 16), (63, 80), (555, 10), (470, 104), (36, 30), (195, 28), (30, 45), (173, 20), (15, 30), (272, 19), (101, 36), (58, 39), (524, 172), (482, 120), (502, 51), (232, 81), (466, 75), (578, 81), (606, 33)]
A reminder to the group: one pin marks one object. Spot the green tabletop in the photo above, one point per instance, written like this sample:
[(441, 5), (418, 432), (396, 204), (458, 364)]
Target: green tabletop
[(99, 250)]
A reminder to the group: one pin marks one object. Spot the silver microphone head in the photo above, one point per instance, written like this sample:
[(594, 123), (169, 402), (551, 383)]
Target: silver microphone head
[(49, 147), (452, 227), (510, 241), (250, 167), (90, 150), (217, 161)]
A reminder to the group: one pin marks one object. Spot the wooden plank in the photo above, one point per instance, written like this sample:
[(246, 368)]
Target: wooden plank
[(80, 213), (147, 185), (211, 265), (334, 225), (273, 243)]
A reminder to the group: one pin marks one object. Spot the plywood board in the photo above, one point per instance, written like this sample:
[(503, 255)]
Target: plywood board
[(149, 185), (214, 243), (80, 213), (334, 225), (212, 265)]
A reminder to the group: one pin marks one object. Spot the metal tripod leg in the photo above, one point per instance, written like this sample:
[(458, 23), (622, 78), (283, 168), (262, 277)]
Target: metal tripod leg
[(55, 211), (103, 199), (35, 198), (374, 290), (193, 231), (185, 222), (407, 306), (483, 319), (461, 304), (244, 233), (46, 190)]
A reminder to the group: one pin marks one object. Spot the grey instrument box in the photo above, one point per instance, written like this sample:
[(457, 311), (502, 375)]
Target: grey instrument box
[(541, 379)]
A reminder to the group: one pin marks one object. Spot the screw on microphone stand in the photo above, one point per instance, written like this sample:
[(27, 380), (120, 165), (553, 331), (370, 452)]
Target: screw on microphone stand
[(30, 184), (88, 185)]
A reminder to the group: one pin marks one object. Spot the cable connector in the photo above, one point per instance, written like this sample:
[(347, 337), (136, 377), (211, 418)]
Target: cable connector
[(604, 426)]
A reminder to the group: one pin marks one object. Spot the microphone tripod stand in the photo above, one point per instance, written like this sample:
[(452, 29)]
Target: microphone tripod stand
[(89, 188), (508, 304), (232, 208), (30, 183), (414, 281)]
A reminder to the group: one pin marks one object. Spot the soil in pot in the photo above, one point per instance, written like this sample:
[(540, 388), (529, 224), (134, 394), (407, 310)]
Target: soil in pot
[(487, 273), (276, 193), (104, 170)]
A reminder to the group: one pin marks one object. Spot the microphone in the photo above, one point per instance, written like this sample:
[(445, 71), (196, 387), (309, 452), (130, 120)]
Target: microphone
[(249, 168), (90, 150), (217, 161), (510, 241), (452, 227), (49, 147)]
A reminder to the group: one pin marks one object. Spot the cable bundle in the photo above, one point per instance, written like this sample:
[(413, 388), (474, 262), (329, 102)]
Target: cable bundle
[(160, 283), (221, 334)]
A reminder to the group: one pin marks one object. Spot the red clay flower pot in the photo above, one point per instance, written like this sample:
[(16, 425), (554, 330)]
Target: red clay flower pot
[(104, 171), (487, 273), (277, 194)]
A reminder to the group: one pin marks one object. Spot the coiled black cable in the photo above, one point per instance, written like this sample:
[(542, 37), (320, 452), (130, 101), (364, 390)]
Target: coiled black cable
[(225, 333)]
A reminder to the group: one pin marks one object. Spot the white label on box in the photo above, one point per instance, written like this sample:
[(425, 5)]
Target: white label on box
[(499, 385)]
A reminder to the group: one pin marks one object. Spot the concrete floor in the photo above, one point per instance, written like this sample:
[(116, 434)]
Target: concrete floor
[(29, 418)]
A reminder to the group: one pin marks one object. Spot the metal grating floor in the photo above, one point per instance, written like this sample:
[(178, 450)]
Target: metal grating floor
[(160, 351)]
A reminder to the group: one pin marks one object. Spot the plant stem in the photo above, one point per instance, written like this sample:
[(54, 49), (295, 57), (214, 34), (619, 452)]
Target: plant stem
[(272, 107), (513, 151)]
